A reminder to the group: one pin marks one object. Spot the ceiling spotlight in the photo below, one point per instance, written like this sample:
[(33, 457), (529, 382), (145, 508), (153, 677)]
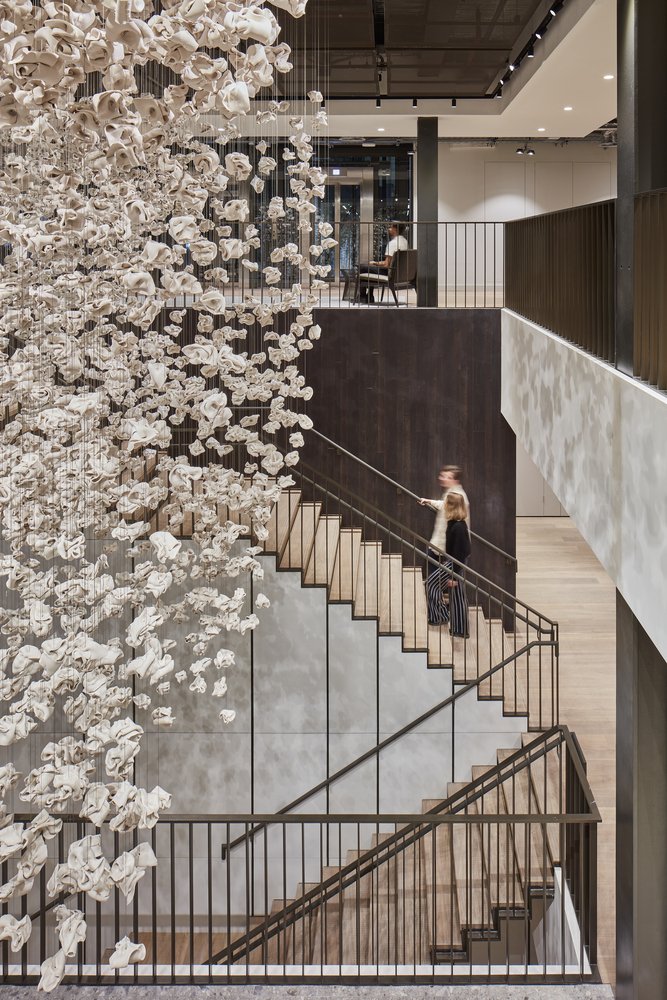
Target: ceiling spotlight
[(608, 76), (453, 102), (378, 102), (525, 150), (538, 35), (380, 130), (568, 107), (520, 151), (530, 54), (552, 11), (530, 152), (414, 102), (512, 67)]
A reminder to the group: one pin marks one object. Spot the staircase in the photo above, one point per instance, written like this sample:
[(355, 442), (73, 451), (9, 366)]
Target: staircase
[(470, 882), (495, 878), (389, 588), (435, 892)]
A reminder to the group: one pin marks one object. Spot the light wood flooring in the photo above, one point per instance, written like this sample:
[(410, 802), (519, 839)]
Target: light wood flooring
[(559, 574)]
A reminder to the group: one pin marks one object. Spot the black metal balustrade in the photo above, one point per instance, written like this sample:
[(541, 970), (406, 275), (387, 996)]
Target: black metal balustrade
[(470, 264), (560, 273), (495, 883)]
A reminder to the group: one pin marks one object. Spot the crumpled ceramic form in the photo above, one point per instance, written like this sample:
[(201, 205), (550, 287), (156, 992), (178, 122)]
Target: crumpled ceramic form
[(53, 972), (71, 927), (118, 207), (127, 953), (15, 931)]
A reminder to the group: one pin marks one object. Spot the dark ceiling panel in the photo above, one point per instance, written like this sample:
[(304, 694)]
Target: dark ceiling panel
[(436, 48), (458, 23), (335, 24)]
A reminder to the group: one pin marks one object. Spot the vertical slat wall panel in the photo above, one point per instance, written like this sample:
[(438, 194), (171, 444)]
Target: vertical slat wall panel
[(650, 336), (662, 294), (559, 273)]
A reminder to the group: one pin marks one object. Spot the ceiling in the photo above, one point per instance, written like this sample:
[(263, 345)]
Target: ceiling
[(411, 48), (568, 71)]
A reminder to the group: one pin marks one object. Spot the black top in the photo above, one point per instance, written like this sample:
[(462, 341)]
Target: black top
[(457, 544)]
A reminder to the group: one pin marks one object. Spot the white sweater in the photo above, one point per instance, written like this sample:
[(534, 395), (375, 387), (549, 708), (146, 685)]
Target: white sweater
[(440, 527)]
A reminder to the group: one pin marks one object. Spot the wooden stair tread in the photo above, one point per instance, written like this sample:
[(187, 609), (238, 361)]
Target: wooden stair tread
[(442, 920), (397, 909), (391, 595), (547, 771), (299, 543), (280, 522), (505, 887), (415, 623), (502, 646), (516, 673), (367, 589), (320, 564), (471, 882), (530, 845), (346, 564)]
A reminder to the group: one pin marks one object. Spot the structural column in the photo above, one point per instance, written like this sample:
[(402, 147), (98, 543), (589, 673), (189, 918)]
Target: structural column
[(641, 673), (427, 212), (641, 804)]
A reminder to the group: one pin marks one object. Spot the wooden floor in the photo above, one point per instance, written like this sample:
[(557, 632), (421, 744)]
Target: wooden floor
[(559, 574)]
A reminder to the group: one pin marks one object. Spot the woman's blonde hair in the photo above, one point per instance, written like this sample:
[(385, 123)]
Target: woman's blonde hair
[(455, 507)]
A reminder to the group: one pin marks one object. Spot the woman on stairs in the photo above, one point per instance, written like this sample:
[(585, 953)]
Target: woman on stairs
[(441, 579), (437, 574)]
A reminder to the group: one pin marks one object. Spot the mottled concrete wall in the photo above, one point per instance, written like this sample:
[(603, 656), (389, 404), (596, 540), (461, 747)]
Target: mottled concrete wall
[(600, 440)]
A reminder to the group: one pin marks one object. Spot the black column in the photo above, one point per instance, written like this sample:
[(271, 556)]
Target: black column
[(641, 818), (642, 143), (427, 211)]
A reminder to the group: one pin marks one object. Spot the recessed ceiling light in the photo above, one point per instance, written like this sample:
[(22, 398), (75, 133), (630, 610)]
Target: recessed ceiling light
[(608, 76), (567, 107), (380, 130), (541, 130)]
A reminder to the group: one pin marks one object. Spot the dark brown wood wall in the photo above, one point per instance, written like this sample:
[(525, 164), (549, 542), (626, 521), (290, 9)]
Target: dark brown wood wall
[(408, 391)]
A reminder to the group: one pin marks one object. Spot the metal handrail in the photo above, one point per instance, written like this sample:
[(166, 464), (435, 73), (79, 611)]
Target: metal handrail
[(417, 826), (424, 545), (284, 812), (399, 734), (399, 486)]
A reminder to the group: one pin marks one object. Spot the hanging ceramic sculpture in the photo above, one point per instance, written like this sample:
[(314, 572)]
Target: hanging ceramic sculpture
[(122, 193)]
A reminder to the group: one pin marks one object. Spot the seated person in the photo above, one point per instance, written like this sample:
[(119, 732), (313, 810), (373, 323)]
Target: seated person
[(381, 267)]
